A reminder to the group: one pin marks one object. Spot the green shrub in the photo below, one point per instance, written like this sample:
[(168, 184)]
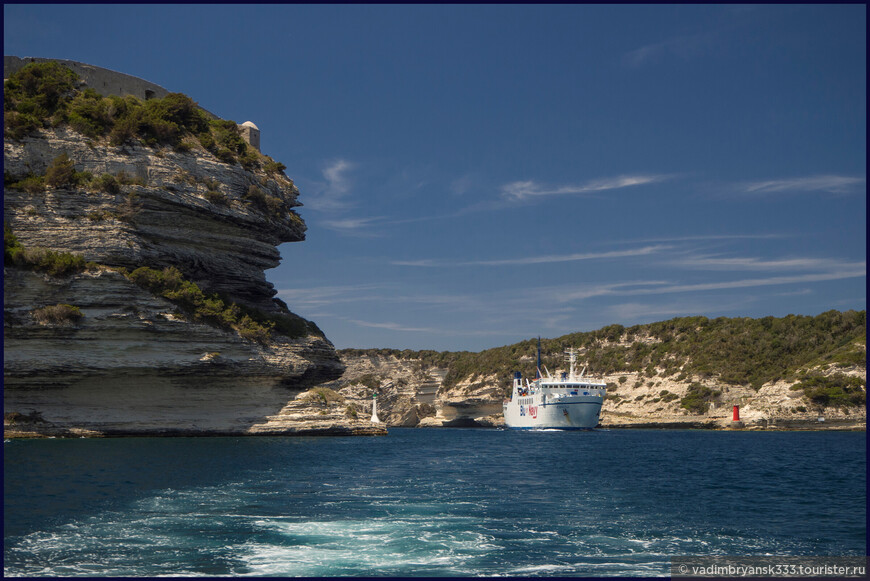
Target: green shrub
[(42, 259), (89, 114), (60, 314), (39, 91), (835, 390), (697, 399), (128, 180), (226, 156), (98, 215), (31, 184), (250, 329), (170, 284), (272, 166), (17, 125), (269, 204), (107, 183), (323, 395), (124, 130), (250, 159), (226, 134), (206, 139), (60, 172), (54, 263), (370, 381), (13, 251), (667, 396), (217, 198)]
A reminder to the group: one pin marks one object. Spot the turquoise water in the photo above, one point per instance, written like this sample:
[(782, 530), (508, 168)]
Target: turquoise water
[(429, 502)]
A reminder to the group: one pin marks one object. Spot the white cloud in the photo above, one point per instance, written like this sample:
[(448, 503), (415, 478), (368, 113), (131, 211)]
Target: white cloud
[(833, 184), (752, 282), (355, 226), (523, 190), (684, 47), (535, 259), (704, 237), (750, 263), (655, 287), (334, 191), (393, 326)]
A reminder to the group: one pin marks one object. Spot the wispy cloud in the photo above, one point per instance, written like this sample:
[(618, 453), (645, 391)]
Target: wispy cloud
[(705, 237), (523, 190), (833, 184), (683, 47), (355, 226), (751, 263), (748, 283), (333, 192), (311, 297), (647, 250), (659, 287), (393, 326)]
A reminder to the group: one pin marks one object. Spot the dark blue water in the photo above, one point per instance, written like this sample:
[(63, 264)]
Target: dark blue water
[(436, 502)]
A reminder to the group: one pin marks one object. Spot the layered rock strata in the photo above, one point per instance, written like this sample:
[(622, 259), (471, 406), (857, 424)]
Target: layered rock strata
[(181, 209), (133, 363)]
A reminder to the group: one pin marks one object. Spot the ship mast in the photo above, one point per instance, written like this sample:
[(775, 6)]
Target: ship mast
[(572, 359), (571, 352)]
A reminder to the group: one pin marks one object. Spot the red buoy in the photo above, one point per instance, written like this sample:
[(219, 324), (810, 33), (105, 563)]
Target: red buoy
[(737, 413)]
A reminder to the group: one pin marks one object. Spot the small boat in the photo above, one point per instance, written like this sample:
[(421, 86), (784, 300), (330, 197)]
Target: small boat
[(567, 402)]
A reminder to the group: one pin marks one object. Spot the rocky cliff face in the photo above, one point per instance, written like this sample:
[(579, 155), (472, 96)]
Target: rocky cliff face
[(412, 394), (182, 209), (133, 363)]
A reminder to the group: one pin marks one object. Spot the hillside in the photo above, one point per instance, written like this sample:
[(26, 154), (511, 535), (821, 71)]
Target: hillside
[(137, 232), (689, 369)]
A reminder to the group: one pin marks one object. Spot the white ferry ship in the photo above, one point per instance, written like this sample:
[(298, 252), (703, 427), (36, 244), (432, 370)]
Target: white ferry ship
[(567, 402)]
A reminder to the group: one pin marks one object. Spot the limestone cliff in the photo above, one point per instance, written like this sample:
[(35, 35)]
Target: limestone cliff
[(131, 361), (460, 389), (161, 218)]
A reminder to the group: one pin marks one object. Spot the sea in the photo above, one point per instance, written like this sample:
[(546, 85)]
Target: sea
[(429, 502)]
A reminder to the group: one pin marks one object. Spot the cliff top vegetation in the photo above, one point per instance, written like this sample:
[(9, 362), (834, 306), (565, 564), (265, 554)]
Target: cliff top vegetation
[(48, 94), (733, 351)]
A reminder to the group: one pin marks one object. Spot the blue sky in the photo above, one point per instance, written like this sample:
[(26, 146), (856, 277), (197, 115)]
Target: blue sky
[(477, 175)]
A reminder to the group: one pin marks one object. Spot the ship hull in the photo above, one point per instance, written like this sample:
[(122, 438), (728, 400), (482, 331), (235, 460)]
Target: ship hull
[(575, 413)]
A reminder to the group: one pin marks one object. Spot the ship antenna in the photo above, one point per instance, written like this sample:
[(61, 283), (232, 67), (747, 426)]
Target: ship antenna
[(572, 359), (539, 358)]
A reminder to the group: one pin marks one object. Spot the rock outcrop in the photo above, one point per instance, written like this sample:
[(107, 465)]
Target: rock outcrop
[(133, 362), (181, 209)]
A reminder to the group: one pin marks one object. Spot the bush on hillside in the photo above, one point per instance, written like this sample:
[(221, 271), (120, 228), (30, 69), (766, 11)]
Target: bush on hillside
[(836, 390), (60, 314)]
